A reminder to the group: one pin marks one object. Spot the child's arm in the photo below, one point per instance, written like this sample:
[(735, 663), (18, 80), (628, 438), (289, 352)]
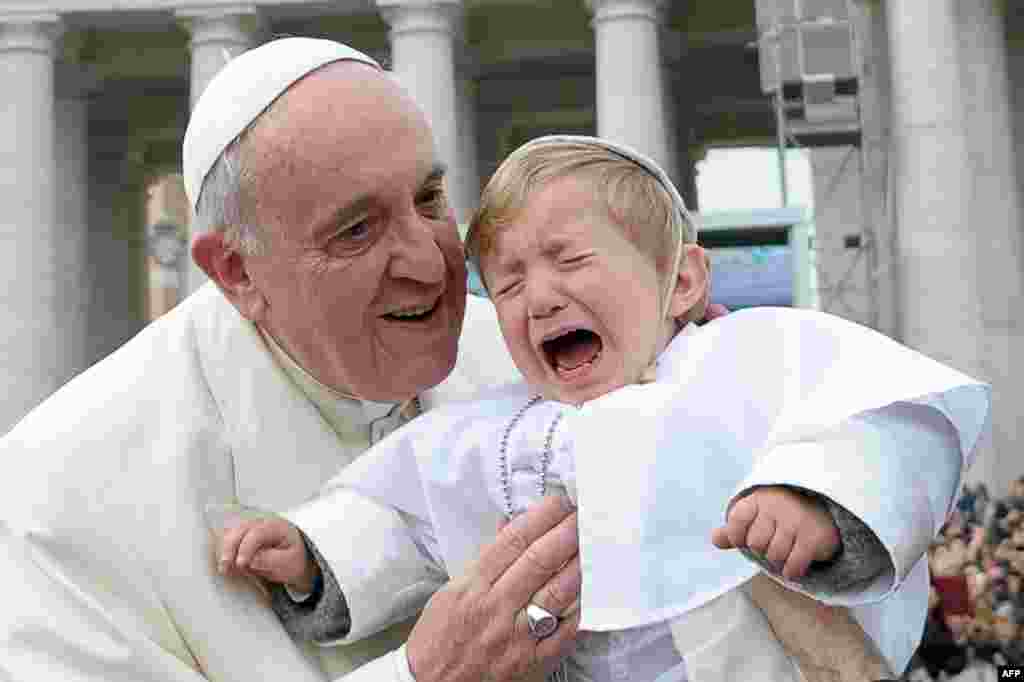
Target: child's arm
[(269, 548), (787, 530), (785, 527), (807, 538), (890, 477), (353, 569), (303, 590)]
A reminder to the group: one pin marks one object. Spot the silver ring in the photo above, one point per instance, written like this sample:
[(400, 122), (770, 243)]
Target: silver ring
[(542, 623)]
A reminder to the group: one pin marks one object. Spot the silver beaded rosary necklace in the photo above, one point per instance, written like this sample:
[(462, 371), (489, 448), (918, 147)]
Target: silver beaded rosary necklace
[(505, 471), (561, 674)]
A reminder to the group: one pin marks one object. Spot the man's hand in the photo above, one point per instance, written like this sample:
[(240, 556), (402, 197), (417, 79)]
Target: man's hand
[(271, 549), (475, 628), (784, 526)]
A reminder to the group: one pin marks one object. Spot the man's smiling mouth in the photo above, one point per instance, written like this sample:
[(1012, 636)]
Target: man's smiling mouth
[(573, 352), (413, 313)]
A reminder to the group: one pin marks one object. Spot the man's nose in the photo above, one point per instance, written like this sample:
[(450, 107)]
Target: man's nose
[(543, 299), (416, 254)]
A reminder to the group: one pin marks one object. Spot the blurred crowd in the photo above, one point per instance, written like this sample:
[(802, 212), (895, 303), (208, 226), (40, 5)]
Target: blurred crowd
[(976, 612)]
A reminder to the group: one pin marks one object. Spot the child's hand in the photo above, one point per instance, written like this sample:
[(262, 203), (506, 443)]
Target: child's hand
[(269, 548), (787, 528)]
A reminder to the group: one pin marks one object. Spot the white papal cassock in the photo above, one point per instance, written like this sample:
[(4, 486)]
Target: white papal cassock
[(765, 396), (105, 555)]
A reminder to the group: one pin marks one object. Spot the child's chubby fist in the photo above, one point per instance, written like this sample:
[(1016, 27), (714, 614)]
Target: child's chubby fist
[(786, 527), (267, 548)]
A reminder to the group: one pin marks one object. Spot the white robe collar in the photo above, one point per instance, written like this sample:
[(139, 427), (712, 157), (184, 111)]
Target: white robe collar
[(267, 417), (346, 413)]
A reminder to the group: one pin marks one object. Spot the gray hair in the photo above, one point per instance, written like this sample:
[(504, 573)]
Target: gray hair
[(221, 203)]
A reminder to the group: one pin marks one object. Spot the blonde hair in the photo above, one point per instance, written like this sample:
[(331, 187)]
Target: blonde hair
[(649, 213)]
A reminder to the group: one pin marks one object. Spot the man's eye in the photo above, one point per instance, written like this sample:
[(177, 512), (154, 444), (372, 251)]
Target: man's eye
[(354, 233), (433, 202), (574, 260)]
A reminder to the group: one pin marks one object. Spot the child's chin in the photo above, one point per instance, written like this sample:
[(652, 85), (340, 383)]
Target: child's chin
[(577, 395)]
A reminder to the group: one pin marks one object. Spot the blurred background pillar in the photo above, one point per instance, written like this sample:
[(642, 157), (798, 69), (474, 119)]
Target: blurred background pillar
[(936, 242), (217, 36), (996, 221), (630, 90), (29, 301), (423, 37)]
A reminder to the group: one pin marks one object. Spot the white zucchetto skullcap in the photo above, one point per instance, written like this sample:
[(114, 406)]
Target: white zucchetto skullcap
[(242, 90), (689, 225)]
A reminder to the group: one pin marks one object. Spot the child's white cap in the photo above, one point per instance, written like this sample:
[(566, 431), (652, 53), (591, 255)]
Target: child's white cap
[(689, 225)]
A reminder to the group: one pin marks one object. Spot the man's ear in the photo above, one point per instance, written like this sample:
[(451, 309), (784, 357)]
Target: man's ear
[(689, 299), (226, 268)]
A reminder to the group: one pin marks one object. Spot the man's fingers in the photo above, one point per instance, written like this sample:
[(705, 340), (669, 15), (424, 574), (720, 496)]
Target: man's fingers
[(538, 563), (547, 652), (562, 592), (551, 650), (520, 534)]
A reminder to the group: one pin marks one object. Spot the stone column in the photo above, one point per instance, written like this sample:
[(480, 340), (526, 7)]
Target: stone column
[(217, 35), (671, 56), (996, 220), (630, 91), (876, 165), (73, 277), (937, 277), (116, 247), (422, 35), (1015, 66), (29, 321)]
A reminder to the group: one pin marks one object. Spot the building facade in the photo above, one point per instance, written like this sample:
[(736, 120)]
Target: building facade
[(917, 215)]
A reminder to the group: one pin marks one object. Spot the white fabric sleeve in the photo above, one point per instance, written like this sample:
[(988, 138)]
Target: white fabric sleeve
[(382, 567), (897, 469), (53, 627), (67, 618)]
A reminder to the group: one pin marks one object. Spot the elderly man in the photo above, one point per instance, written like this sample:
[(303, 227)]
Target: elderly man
[(335, 313), (338, 273)]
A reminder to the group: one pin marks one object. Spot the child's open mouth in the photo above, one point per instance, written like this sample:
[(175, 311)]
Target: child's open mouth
[(573, 353)]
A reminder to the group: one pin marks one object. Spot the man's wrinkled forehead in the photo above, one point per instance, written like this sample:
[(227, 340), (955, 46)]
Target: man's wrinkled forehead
[(344, 96), (339, 143)]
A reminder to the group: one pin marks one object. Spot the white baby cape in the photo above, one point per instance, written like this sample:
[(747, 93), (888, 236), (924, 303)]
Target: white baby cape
[(750, 399)]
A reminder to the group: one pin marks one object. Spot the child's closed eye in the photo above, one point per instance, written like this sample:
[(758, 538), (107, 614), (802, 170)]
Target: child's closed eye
[(578, 258), (508, 288)]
